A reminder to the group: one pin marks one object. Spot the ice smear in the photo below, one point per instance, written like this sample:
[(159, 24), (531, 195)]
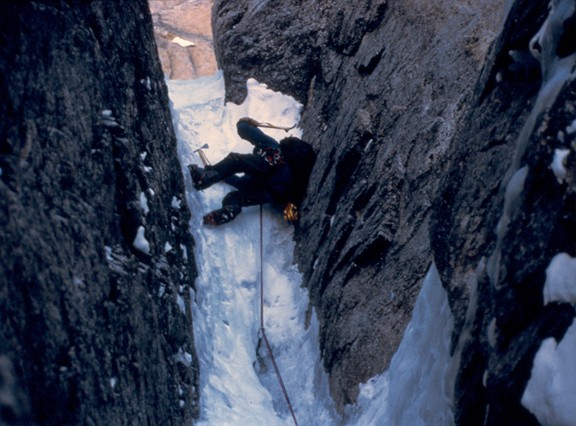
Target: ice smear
[(571, 128), (416, 388), (226, 307), (549, 394), (513, 191), (140, 242), (144, 203), (560, 285), (558, 163)]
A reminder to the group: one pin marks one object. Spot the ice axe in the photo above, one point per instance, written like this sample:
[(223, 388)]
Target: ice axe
[(202, 155), (256, 123), (272, 126)]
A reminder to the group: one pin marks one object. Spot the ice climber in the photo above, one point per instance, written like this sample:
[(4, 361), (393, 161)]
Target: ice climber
[(275, 173)]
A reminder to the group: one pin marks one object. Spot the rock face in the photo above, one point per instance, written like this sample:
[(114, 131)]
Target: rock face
[(493, 240), (94, 267), (184, 37), (417, 112)]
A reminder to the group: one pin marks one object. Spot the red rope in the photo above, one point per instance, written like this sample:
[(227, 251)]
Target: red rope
[(262, 331), (261, 271)]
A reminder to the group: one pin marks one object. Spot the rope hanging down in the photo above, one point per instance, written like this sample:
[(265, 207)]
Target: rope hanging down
[(262, 331)]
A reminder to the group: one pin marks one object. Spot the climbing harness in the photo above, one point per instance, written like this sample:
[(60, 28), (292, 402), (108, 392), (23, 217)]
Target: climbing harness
[(262, 331), (273, 156), (290, 211)]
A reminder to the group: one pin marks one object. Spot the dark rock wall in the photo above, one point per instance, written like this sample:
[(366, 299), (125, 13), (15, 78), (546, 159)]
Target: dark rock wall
[(492, 241), (93, 329), (415, 110), (381, 108)]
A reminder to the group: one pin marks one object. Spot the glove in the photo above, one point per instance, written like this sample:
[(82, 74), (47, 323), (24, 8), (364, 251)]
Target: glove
[(249, 120)]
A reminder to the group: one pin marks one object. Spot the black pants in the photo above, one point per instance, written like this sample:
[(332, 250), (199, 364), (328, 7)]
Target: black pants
[(251, 188), (251, 164)]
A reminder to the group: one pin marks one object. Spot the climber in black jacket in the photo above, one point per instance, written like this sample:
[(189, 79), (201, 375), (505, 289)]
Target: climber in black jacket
[(267, 177)]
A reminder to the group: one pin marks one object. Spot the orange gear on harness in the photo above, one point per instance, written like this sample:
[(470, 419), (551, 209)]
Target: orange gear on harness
[(291, 213)]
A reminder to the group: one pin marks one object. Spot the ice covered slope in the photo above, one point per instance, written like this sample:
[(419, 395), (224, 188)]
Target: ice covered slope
[(237, 386)]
